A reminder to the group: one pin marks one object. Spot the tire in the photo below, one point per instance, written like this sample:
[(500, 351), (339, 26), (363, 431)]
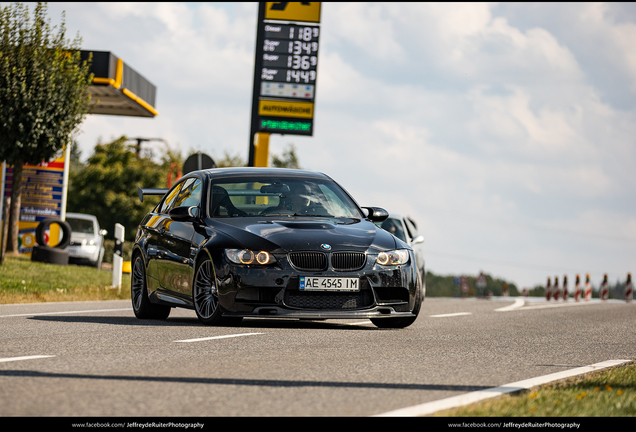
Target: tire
[(398, 323), (64, 226), (142, 307), (50, 255), (205, 297)]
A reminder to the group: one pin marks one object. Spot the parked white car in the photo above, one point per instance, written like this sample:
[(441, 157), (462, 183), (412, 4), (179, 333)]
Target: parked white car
[(87, 239)]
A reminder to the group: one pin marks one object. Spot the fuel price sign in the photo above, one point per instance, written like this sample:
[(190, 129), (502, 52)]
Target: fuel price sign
[(287, 45)]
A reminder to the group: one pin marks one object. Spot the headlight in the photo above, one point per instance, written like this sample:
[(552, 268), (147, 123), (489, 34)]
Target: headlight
[(246, 256), (394, 257)]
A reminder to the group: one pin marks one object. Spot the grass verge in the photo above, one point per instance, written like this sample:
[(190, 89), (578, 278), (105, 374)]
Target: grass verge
[(607, 393), (25, 281)]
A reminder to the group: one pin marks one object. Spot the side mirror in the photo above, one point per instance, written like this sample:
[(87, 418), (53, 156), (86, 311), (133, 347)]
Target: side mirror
[(184, 214), (418, 239), (377, 214)]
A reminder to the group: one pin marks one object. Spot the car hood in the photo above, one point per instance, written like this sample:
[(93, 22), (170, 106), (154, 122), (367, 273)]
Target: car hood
[(79, 237), (303, 234)]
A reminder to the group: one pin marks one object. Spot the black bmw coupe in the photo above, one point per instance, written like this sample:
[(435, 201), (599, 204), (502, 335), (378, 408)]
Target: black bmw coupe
[(266, 242)]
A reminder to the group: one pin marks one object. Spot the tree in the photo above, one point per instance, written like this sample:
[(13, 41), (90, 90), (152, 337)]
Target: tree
[(288, 159), (230, 160), (106, 186), (43, 94)]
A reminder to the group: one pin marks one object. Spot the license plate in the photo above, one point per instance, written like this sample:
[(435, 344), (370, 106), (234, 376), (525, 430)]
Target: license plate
[(315, 283)]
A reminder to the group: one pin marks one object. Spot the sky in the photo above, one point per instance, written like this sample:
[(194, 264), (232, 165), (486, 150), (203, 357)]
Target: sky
[(505, 130)]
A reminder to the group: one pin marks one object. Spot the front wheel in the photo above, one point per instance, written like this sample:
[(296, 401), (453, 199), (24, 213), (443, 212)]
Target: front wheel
[(142, 307), (401, 322), (205, 297)]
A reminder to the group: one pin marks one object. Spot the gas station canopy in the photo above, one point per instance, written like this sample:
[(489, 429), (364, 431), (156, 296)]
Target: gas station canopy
[(118, 89)]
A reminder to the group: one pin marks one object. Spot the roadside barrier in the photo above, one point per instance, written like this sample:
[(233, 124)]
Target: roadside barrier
[(565, 288), (588, 288), (629, 289), (548, 290), (577, 288), (604, 288)]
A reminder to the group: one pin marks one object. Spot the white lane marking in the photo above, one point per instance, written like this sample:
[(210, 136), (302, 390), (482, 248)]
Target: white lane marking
[(65, 312), (33, 357), (516, 305), (451, 314), (217, 337), (468, 398), (556, 305)]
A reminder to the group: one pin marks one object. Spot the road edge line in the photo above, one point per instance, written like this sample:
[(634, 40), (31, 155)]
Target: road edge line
[(468, 398), (516, 305)]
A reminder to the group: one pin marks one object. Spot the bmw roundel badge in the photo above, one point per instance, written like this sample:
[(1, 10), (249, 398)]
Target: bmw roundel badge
[(325, 246)]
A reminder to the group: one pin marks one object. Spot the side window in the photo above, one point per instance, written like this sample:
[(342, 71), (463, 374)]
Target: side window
[(410, 228), (190, 194), (169, 199), (394, 227)]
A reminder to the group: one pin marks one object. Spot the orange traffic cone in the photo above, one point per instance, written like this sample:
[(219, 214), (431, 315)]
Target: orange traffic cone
[(629, 288), (548, 290), (556, 292), (565, 288)]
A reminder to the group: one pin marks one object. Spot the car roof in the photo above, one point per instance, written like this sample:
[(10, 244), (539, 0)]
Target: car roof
[(402, 218), (269, 172), (81, 216)]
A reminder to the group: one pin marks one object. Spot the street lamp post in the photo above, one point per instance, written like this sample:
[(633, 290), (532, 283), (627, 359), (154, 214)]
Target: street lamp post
[(140, 140)]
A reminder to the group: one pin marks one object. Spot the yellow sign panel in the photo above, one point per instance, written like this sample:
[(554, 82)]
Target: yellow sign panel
[(293, 11), (286, 109)]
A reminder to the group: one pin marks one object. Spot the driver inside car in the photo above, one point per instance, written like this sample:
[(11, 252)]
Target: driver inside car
[(298, 199), (304, 202)]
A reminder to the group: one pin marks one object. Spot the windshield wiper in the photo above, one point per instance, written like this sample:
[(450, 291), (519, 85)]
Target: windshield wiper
[(310, 215)]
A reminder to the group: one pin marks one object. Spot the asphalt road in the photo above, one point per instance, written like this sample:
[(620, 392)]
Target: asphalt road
[(97, 359)]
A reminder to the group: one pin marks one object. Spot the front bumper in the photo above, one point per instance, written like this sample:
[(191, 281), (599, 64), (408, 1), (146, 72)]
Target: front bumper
[(85, 252), (282, 312), (274, 291)]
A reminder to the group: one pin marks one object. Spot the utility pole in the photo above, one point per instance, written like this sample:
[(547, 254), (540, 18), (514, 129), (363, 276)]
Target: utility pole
[(140, 140)]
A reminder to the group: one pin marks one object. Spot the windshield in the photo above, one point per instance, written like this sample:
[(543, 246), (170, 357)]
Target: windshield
[(83, 226), (267, 196)]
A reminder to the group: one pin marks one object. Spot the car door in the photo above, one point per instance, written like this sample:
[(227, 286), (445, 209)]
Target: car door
[(175, 246), (415, 240), (154, 228)]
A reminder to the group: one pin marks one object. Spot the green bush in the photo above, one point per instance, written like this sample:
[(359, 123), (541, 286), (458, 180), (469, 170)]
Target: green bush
[(109, 250)]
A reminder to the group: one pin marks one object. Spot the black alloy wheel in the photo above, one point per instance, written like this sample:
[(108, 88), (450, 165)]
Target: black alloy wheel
[(142, 307), (206, 298), (396, 323)]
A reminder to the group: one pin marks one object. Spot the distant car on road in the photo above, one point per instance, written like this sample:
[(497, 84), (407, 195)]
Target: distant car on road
[(87, 240), (265, 242), (405, 228)]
